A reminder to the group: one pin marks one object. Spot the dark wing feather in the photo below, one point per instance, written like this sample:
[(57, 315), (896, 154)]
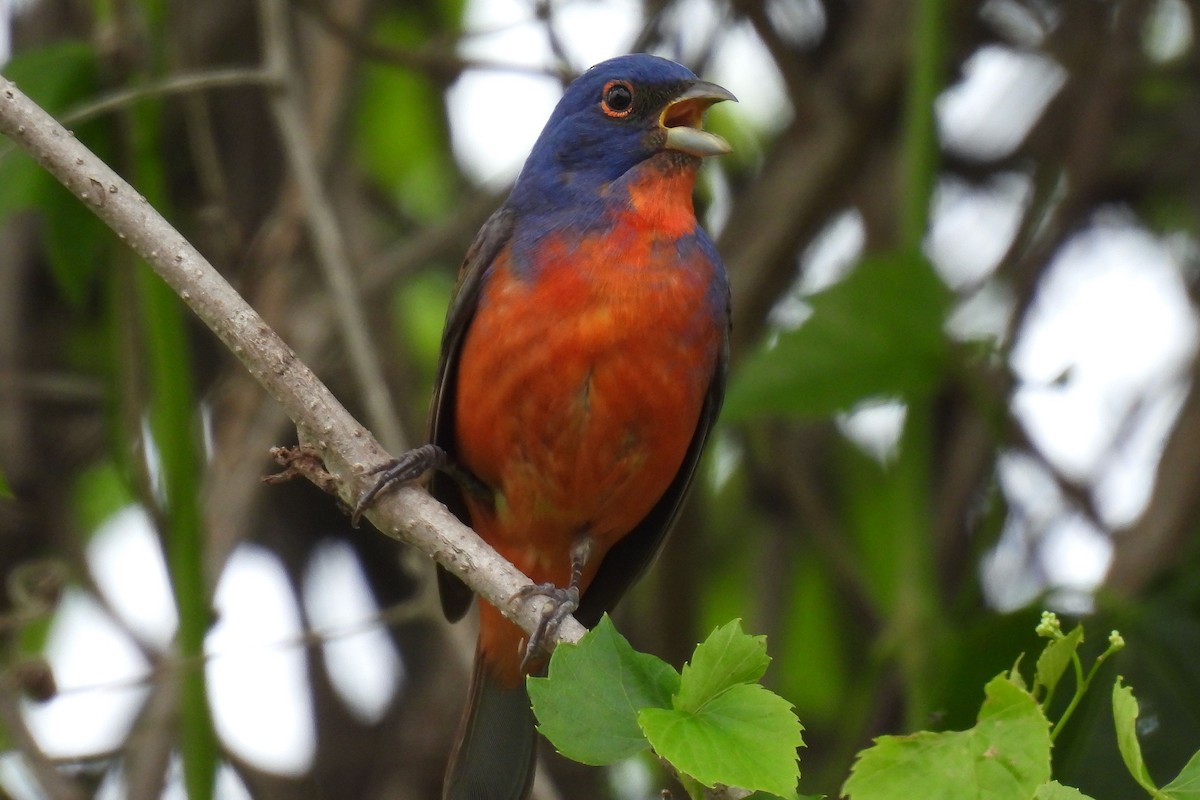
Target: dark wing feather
[(492, 237), (628, 559)]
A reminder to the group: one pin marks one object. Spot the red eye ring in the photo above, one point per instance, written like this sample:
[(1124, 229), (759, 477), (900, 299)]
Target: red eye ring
[(616, 99)]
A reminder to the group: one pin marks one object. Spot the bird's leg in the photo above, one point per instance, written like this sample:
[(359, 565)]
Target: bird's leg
[(408, 467), (562, 602)]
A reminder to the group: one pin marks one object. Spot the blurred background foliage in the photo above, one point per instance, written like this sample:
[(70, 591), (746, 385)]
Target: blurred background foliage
[(897, 485)]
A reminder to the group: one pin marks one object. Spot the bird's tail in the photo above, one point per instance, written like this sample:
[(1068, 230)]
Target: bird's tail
[(497, 741)]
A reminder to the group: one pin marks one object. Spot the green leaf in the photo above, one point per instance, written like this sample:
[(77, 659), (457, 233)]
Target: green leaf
[(400, 129), (745, 736), (876, 333), (815, 635), (5, 491), (1055, 659), (99, 492), (728, 657), (606, 682), (1006, 756), (1125, 714), (419, 310), (56, 77), (1056, 791), (1186, 785)]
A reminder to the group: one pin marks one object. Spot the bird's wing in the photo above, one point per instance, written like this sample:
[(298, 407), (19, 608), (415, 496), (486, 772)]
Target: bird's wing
[(491, 239)]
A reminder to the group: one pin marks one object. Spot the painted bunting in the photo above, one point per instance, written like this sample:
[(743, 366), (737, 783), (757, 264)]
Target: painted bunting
[(582, 367)]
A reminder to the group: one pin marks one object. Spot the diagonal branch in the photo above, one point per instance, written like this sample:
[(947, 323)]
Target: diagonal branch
[(349, 450)]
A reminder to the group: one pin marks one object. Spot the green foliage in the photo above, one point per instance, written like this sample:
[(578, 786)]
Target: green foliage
[(723, 727), (714, 723), (876, 333), (813, 637), (1125, 714), (402, 140), (100, 492), (1006, 755), (56, 77), (1056, 791), (1063, 651), (606, 681), (5, 491), (420, 306), (1055, 659), (717, 726), (1185, 786)]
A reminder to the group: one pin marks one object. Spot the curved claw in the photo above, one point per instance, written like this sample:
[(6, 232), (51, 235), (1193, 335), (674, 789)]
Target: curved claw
[(562, 604), (408, 467)]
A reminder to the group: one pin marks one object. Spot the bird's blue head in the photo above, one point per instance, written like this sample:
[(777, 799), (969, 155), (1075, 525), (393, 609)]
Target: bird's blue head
[(616, 115)]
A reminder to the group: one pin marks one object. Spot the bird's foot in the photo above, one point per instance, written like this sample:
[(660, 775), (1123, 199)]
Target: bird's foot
[(408, 467), (560, 604)]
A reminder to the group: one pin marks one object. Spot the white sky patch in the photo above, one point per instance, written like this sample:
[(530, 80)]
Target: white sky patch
[(495, 115), (983, 314), (1018, 22), (827, 259), (6, 13), (833, 253), (127, 564), (258, 681), (16, 778), (801, 22), (1002, 94), (1004, 574), (1101, 362), (689, 27), (101, 679), (1124, 484), (597, 30), (875, 426), (1168, 32), (8, 10), (363, 665), (1111, 320), (228, 785), (495, 118), (743, 66), (1073, 553), (1035, 503), (972, 226)]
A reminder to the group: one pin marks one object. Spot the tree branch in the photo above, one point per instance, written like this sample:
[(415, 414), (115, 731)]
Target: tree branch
[(407, 514)]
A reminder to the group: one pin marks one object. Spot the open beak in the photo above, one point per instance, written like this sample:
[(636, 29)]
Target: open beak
[(683, 120)]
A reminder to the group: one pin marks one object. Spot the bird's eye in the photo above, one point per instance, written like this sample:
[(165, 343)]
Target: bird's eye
[(617, 99)]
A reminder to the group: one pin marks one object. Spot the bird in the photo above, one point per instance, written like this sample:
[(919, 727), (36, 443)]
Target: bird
[(582, 368)]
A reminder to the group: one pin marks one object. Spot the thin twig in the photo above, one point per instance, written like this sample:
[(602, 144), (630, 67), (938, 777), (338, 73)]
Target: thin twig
[(232, 77), (407, 514), (178, 84)]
